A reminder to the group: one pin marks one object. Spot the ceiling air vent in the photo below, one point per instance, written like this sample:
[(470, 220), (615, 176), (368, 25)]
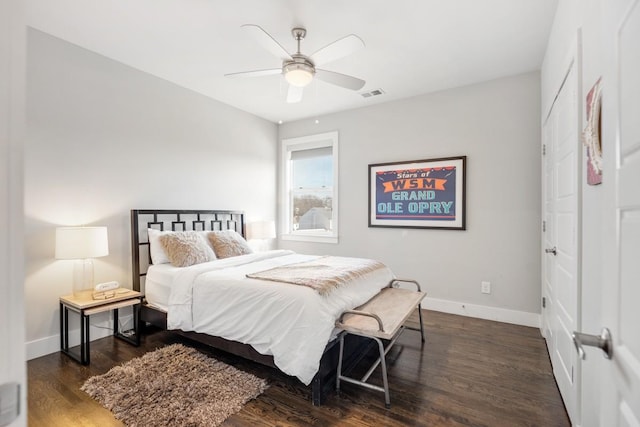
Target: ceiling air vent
[(374, 92)]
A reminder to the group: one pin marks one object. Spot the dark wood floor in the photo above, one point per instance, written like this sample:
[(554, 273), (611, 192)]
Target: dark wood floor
[(470, 372)]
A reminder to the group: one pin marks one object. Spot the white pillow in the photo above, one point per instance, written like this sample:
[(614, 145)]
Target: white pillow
[(158, 254)]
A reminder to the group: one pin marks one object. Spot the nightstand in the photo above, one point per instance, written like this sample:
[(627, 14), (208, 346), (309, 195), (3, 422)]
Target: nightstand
[(85, 306)]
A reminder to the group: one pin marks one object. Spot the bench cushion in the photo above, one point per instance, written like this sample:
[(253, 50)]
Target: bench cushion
[(392, 305)]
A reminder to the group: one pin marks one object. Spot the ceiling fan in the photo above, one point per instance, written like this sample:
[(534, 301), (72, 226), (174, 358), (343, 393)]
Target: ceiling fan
[(299, 69)]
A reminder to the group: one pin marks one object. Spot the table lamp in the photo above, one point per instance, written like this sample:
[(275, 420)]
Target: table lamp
[(82, 244), (261, 230)]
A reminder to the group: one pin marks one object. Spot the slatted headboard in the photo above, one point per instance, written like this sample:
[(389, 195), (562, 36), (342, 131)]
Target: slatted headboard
[(175, 220)]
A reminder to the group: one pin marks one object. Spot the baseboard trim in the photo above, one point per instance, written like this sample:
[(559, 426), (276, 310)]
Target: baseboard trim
[(48, 345), (515, 317)]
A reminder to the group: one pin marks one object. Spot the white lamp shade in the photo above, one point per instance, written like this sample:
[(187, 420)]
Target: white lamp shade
[(261, 230), (81, 242), (298, 77), (298, 73)]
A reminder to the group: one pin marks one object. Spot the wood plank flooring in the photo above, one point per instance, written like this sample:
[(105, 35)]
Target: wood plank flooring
[(470, 372)]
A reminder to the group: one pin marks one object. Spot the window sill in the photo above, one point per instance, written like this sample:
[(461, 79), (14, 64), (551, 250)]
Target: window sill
[(310, 238)]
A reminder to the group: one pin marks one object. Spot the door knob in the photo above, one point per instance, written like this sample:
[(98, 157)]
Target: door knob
[(603, 342), (553, 251)]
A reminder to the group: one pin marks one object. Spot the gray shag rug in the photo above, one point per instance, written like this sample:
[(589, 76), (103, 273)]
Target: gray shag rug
[(174, 386)]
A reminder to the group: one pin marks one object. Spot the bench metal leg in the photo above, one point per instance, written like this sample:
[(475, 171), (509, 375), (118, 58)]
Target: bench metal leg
[(386, 350), (339, 376), (381, 360), (421, 326), (385, 382)]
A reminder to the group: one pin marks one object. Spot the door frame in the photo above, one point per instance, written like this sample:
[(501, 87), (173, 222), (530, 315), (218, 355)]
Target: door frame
[(12, 131), (572, 60)]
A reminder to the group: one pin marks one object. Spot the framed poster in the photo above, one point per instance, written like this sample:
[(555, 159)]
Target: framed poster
[(418, 194)]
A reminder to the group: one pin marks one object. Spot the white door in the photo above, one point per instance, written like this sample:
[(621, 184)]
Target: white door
[(561, 237), (620, 379)]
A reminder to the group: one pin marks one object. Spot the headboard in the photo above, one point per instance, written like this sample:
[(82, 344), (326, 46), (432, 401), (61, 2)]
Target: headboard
[(175, 220)]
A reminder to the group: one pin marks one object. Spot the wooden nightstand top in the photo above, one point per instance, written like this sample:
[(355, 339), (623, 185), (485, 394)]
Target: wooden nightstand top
[(85, 299)]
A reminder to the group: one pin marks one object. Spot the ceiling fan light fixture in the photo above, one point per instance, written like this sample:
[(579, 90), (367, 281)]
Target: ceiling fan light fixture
[(298, 74), (298, 69)]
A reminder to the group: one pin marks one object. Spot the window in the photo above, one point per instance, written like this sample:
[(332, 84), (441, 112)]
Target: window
[(310, 188)]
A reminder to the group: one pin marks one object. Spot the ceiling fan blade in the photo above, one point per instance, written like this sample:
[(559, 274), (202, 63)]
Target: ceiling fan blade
[(267, 41), (338, 49), (294, 94), (342, 80), (255, 73)]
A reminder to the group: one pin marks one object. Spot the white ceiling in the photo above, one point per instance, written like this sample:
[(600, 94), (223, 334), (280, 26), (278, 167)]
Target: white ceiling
[(412, 46)]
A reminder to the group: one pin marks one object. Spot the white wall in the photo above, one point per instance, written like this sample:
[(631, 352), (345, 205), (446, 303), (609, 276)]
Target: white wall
[(495, 124), (585, 18), (12, 127), (104, 138)]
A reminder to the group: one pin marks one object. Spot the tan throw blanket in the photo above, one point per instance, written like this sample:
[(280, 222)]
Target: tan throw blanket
[(322, 274)]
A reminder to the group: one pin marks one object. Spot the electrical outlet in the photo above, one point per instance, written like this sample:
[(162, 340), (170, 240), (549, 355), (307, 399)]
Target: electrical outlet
[(485, 287)]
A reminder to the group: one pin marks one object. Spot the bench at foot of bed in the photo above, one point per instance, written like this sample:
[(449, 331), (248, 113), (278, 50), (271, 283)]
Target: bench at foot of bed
[(380, 318)]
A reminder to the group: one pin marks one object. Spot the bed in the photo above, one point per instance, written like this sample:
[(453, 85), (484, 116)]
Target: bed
[(215, 302)]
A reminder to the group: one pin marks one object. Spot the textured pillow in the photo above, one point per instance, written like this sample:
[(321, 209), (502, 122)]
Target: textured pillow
[(185, 248), (228, 243), (158, 255)]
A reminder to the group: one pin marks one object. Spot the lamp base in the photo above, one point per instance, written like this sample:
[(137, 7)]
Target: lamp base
[(82, 276)]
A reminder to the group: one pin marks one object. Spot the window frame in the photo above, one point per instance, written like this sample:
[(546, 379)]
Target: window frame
[(321, 140)]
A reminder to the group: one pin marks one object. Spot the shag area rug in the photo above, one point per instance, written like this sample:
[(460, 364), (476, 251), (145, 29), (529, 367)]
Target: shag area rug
[(174, 386)]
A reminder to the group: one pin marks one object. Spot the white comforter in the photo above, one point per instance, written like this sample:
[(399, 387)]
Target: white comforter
[(292, 323)]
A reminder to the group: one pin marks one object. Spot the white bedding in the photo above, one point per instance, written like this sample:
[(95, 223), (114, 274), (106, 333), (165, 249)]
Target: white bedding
[(293, 323), (157, 285)]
